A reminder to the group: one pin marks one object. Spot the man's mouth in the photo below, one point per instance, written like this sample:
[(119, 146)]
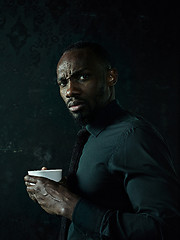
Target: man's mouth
[(76, 106)]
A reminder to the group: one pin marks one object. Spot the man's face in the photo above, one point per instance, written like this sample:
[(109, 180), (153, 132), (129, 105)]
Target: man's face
[(82, 79)]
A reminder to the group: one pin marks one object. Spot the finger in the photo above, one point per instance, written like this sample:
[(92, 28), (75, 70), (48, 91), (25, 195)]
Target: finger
[(44, 168), (30, 190), (31, 179), (32, 196), (29, 184), (34, 179), (30, 187)]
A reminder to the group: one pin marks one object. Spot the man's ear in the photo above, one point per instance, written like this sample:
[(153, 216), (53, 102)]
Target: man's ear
[(112, 77)]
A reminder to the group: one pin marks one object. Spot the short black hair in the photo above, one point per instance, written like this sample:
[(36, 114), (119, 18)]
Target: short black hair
[(96, 48)]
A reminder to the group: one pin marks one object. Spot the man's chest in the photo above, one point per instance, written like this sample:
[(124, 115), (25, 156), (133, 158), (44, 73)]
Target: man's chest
[(96, 181)]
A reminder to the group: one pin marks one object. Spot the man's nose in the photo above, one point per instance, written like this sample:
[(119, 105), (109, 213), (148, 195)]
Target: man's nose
[(73, 89)]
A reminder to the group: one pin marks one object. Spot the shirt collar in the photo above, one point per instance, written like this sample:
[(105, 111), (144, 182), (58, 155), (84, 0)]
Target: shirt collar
[(104, 118)]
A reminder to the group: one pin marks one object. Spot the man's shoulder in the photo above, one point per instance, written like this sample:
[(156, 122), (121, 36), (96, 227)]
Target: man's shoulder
[(127, 120), (128, 123)]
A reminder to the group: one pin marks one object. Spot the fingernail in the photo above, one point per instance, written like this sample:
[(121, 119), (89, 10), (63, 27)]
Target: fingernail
[(26, 177)]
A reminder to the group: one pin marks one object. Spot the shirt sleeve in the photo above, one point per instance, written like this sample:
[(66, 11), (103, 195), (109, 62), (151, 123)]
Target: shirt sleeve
[(152, 189)]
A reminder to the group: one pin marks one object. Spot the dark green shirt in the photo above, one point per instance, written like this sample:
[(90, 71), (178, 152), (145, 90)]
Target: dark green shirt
[(126, 180)]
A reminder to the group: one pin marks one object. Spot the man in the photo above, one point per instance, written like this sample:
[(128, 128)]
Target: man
[(125, 186)]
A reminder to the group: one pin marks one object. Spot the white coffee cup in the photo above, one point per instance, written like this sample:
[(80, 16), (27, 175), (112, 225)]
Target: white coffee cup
[(52, 174)]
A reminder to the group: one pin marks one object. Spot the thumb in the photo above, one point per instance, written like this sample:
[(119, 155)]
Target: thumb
[(44, 168)]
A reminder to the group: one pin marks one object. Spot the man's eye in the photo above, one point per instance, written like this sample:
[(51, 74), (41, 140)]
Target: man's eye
[(62, 82), (84, 77)]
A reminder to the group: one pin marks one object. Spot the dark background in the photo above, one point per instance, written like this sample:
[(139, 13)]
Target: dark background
[(35, 127)]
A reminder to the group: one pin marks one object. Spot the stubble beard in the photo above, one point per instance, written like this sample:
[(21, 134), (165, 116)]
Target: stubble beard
[(84, 118)]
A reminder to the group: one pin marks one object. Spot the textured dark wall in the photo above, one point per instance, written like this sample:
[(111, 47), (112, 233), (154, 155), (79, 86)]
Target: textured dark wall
[(36, 129)]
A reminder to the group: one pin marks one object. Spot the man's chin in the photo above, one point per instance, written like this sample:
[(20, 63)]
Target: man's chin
[(80, 118)]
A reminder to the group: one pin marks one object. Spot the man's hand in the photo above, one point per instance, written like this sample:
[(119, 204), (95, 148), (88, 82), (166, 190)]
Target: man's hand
[(53, 197)]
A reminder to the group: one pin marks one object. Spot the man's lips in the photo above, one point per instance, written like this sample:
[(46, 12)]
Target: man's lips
[(75, 106)]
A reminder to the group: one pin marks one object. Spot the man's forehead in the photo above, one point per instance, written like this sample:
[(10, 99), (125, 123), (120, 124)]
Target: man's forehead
[(77, 58)]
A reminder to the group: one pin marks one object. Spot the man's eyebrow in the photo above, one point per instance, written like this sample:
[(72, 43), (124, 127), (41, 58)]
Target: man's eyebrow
[(75, 73)]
